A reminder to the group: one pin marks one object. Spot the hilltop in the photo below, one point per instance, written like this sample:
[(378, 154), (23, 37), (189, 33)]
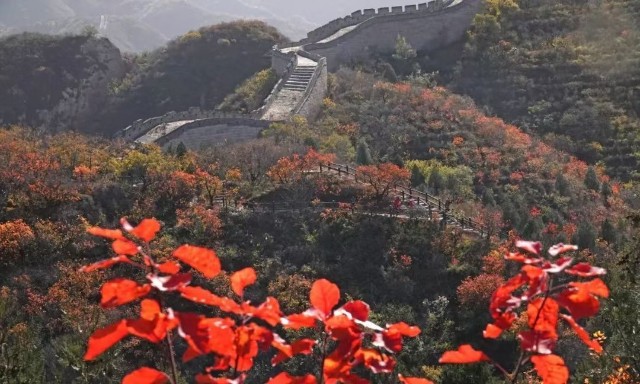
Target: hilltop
[(88, 85), (568, 71), (137, 25)]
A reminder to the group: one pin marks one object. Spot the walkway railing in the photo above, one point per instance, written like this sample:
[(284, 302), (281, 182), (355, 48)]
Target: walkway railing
[(420, 198)]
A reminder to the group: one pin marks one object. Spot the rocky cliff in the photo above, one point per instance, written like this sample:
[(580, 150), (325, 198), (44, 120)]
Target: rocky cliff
[(57, 83)]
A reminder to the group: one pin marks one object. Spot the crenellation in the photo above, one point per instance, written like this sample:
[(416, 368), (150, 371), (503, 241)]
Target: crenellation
[(426, 26)]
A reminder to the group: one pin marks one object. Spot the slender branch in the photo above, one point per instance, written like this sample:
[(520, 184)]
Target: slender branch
[(146, 252), (172, 356), (521, 360)]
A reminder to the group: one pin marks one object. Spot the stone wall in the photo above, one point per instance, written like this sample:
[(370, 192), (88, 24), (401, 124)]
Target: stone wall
[(214, 132), (423, 30), (140, 127), (281, 61), (311, 104), (358, 17)]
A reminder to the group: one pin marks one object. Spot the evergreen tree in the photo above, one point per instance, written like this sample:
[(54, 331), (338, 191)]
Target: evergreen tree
[(488, 198), (591, 180), (436, 181), (608, 232), (605, 190), (586, 236), (181, 150), (363, 154), (562, 185), (417, 178)]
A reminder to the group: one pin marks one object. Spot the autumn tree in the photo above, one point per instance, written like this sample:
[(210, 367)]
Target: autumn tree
[(383, 178), (540, 295)]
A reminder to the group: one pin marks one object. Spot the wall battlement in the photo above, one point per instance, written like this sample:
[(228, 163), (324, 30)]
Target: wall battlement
[(303, 70), (359, 16)]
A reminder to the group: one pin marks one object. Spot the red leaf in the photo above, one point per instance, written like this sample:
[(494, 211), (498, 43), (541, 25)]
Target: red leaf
[(580, 298), (542, 315), (299, 320), (145, 375), (241, 279), (561, 248), (537, 342), (170, 267), (105, 338), (106, 263), (464, 355), (582, 334), (202, 259), (358, 309), (268, 311), (534, 247), (324, 296), (492, 332), (124, 247), (520, 258), (122, 291), (551, 369), (149, 309), (202, 378), (200, 295), (374, 360), (302, 346), (413, 380), (595, 287), (285, 378), (404, 329), (586, 270), (170, 283), (146, 230), (111, 234)]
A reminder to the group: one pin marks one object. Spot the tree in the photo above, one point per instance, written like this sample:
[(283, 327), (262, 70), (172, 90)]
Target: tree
[(363, 154), (591, 180), (181, 149), (404, 50), (383, 178)]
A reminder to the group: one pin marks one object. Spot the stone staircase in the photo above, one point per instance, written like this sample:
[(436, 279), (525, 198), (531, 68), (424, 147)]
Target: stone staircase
[(300, 78), (293, 91)]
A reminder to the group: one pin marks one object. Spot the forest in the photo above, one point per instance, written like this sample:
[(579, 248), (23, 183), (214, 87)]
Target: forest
[(306, 255)]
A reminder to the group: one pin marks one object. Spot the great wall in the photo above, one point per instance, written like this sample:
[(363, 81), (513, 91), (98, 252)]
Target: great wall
[(302, 68)]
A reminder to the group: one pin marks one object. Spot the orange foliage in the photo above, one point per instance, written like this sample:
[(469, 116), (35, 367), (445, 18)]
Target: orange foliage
[(383, 178), (350, 340), (14, 237)]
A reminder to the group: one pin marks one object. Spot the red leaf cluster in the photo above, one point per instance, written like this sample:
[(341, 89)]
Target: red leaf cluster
[(532, 291), (236, 338)]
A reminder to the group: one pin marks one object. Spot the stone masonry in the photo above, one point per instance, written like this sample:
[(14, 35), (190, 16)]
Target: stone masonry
[(303, 70)]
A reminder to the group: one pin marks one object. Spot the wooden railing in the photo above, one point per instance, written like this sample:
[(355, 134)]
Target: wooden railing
[(432, 203)]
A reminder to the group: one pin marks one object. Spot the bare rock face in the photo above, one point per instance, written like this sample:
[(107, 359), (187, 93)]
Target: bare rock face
[(78, 105)]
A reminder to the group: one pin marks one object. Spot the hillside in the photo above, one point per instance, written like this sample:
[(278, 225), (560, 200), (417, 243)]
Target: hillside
[(84, 83), (137, 25), (414, 228), (55, 83), (196, 70), (568, 71)]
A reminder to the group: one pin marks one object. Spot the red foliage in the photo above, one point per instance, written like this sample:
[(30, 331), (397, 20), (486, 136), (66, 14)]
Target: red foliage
[(533, 288), (383, 178), (348, 339)]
